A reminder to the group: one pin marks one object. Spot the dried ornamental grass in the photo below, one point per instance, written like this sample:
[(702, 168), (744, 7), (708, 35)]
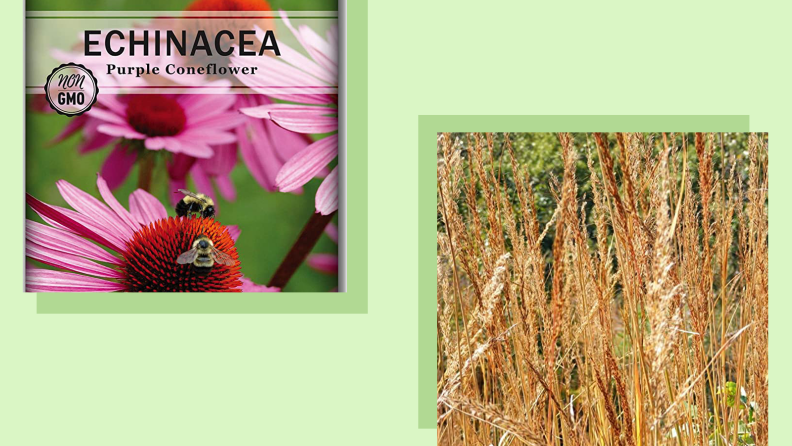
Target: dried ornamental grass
[(630, 310)]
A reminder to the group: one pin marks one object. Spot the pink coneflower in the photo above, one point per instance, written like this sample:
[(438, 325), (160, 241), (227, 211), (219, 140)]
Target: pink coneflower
[(315, 79), (123, 157), (188, 124), (264, 147), (105, 247)]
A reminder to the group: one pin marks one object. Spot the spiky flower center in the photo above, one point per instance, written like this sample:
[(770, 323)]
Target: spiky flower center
[(151, 258), (155, 115)]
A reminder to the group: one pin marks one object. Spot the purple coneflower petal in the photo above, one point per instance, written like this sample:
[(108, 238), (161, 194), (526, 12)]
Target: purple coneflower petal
[(276, 73), (86, 204), (179, 166), (112, 103), (43, 281), (155, 143), (118, 164), (111, 201), (320, 51), (218, 167), (175, 146), (55, 223), (323, 53), (146, 208), (201, 106), (203, 184), (225, 121), (332, 231), (297, 118), (105, 115), (233, 231), (69, 261), (226, 187), (174, 185), (324, 263), (306, 164), (61, 240), (65, 219), (112, 238), (93, 139), (315, 121), (258, 154), (209, 136), (189, 147), (327, 194), (223, 161), (265, 110), (117, 130), (298, 60), (248, 286), (286, 143)]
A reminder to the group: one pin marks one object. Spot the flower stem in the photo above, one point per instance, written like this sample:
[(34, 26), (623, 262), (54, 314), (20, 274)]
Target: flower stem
[(145, 173), (299, 251)]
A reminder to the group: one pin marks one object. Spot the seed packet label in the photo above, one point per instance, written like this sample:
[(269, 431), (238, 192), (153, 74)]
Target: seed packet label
[(218, 128)]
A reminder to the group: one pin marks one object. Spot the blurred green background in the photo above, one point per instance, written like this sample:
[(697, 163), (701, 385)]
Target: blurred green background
[(270, 221)]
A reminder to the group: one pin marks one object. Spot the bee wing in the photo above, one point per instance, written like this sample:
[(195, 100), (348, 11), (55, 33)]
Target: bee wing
[(187, 257), (222, 258), (191, 194)]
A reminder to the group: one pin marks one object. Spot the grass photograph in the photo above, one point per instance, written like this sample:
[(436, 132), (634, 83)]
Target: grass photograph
[(602, 289)]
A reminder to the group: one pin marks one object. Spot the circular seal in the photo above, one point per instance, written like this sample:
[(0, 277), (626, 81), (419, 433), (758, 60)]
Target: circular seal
[(71, 89)]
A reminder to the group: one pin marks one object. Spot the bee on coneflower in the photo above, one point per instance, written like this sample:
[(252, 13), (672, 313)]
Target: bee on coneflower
[(197, 204), (104, 247), (204, 255)]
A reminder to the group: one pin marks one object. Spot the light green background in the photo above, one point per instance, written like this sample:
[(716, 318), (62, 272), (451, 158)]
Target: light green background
[(351, 379)]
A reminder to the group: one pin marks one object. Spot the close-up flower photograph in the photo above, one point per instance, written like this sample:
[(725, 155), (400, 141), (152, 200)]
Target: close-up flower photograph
[(195, 150)]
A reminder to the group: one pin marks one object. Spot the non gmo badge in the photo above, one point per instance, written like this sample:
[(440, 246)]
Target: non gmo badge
[(71, 89)]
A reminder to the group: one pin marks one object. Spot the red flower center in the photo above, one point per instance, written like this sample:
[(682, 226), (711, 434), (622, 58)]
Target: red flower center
[(229, 5), (213, 23), (155, 115), (151, 258)]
